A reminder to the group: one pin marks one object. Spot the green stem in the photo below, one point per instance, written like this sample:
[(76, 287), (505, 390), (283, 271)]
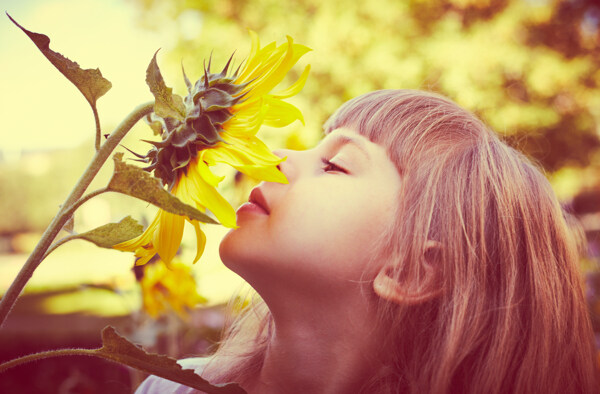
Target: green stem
[(64, 213), (42, 355)]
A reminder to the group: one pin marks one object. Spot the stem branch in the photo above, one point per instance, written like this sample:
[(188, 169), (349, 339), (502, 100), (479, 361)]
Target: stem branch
[(64, 213), (56, 244), (68, 212), (42, 355)]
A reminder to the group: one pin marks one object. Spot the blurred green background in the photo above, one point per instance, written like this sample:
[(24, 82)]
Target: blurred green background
[(528, 68)]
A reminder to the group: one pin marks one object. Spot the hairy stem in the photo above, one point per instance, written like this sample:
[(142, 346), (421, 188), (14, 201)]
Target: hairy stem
[(98, 129), (65, 212), (58, 243), (42, 355), (68, 212)]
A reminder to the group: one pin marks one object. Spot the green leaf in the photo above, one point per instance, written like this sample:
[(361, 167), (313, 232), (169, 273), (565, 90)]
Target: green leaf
[(135, 182), (166, 103), (113, 233), (90, 82)]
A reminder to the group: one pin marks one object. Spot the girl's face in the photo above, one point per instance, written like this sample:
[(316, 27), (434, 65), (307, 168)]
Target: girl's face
[(319, 231)]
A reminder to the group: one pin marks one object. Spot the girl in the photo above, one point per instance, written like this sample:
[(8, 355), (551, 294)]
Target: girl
[(411, 252)]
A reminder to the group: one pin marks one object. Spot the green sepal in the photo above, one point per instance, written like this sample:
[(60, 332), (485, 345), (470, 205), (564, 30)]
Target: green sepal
[(155, 123)]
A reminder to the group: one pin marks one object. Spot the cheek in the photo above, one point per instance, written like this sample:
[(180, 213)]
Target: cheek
[(333, 234), (313, 231)]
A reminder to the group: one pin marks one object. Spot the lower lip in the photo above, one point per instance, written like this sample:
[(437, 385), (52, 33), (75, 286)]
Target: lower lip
[(250, 207)]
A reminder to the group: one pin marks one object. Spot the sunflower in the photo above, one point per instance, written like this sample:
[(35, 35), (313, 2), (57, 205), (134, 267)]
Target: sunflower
[(223, 114), (169, 289)]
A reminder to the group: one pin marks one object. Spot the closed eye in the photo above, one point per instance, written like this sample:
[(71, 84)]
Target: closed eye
[(328, 166)]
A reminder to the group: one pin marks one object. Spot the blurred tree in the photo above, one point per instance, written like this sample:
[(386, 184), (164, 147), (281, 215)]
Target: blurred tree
[(529, 68), (30, 190)]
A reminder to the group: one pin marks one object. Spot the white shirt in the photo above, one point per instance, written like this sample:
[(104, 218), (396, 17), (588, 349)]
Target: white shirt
[(156, 385)]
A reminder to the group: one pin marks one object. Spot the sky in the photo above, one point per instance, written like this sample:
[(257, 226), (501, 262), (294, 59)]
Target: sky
[(39, 108)]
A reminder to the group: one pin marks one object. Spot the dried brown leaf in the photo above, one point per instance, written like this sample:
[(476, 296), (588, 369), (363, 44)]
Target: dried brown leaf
[(118, 349), (167, 104), (110, 234), (136, 182), (90, 82)]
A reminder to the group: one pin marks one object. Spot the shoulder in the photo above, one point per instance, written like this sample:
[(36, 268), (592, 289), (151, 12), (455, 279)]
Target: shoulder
[(156, 385)]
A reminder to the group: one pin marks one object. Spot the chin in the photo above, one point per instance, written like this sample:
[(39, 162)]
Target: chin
[(226, 248), (250, 255), (237, 256), (238, 249)]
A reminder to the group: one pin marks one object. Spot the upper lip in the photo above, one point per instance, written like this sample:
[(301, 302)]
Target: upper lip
[(257, 197)]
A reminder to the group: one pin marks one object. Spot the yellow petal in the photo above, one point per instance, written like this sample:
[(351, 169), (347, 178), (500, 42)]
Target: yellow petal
[(299, 51), (205, 172), (268, 174), (280, 114), (200, 240), (296, 87), (265, 60), (167, 236), (247, 120), (247, 108), (186, 192), (253, 149), (246, 160), (271, 77), (182, 192), (251, 62), (141, 240), (273, 73), (207, 196), (143, 259)]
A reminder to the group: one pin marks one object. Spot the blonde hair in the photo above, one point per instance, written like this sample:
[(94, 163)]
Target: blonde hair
[(512, 315)]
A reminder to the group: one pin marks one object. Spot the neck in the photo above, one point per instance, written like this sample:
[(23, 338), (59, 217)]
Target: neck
[(325, 346)]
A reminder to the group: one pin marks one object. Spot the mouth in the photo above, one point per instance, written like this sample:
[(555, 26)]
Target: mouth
[(258, 199)]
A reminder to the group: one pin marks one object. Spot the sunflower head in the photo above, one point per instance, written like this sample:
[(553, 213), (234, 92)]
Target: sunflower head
[(207, 107), (215, 124)]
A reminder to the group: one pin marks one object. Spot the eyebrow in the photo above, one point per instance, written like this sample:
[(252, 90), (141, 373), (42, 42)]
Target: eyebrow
[(341, 140)]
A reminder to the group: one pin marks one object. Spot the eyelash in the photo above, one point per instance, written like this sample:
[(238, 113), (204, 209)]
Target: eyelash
[(329, 166)]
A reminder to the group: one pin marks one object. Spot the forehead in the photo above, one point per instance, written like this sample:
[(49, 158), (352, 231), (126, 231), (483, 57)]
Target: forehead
[(344, 136), (379, 148)]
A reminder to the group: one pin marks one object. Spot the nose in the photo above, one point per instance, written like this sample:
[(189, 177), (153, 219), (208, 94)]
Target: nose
[(281, 152), (285, 166)]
